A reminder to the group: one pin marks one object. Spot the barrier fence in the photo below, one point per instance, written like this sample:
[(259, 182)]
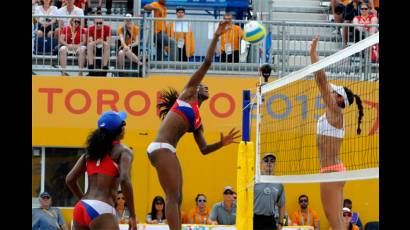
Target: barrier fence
[(70, 44)]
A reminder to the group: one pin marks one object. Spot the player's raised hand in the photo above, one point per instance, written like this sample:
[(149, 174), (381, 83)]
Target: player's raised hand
[(230, 138)]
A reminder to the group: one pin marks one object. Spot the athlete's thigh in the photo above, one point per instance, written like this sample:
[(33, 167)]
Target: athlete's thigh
[(168, 169), (105, 221)]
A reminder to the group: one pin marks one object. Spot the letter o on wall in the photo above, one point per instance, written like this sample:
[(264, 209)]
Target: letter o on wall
[(127, 102), (231, 105), (279, 97), (80, 110)]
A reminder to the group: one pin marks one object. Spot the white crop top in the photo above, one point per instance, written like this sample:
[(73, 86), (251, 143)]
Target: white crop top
[(326, 129)]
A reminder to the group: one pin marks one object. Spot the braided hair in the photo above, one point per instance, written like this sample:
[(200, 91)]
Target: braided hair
[(354, 97)]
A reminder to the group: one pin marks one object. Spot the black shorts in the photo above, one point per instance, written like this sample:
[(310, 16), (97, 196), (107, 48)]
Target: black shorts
[(261, 222), (46, 29)]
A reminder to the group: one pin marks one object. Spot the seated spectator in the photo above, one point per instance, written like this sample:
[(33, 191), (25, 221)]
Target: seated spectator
[(182, 33), (338, 8), (129, 40), (45, 25), (121, 209), (305, 216), (47, 217), (364, 19), (347, 203), (230, 41), (352, 10), (157, 214), (161, 37), (200, 213), (69, 10), (224, 212), (99, 36), (72, 40), (347, 220)]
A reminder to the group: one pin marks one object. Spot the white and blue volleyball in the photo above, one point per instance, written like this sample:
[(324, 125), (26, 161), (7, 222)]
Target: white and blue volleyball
[(254, 32)]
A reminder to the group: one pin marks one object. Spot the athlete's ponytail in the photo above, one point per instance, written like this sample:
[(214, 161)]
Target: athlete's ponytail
[(354, 97), (168, 98), (360, 107)]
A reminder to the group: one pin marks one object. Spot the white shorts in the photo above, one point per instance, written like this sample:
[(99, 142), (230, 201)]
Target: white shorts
[(160, 145)]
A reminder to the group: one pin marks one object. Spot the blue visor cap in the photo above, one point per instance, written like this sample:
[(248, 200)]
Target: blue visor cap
[(111, 120)]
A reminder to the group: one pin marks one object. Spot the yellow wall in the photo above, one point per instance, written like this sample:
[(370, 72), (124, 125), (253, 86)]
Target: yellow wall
[(202, 174)]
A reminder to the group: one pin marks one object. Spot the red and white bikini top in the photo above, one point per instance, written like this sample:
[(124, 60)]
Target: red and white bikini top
[(103, 166)]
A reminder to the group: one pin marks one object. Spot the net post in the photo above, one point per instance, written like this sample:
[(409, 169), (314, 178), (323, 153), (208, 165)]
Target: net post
[(246, 110)]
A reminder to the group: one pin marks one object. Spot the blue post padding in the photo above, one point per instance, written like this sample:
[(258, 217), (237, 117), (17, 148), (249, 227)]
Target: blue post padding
[(246, 111)]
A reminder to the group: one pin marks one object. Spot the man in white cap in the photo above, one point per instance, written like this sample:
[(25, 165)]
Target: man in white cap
[(224, 212), (267, 198)]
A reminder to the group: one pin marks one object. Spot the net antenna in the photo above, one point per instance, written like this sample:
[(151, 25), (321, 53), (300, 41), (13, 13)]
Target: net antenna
[(288, 109)]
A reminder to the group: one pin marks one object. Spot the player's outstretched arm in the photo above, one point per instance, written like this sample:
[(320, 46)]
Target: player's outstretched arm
[(225, 140), (320, 78), (196, 78)]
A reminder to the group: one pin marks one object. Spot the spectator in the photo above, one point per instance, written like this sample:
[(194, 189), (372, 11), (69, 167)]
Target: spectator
[(121, 209), (162, 39), (364, 19), (267, 198), (157, 214), (305, 216), (45, 25), (200, 213), (234, 196), (99, 37), (69, 10), (230, 41), (224, 212), (347, 220), (47, 217), (80, 4), (352, 10), (347, 203), (129, 40), (182, 33), (72, 40), (108, 6)]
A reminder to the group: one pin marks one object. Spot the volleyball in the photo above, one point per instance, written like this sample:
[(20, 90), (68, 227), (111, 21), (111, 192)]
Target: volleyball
[(254, 32)]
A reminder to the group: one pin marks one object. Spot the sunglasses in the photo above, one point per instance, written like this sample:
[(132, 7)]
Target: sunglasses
[(347, 214), (201, 201), (365, 8), (267, 160), (228, 193), (303, 201), (77, 22), (98, 23), (45, 197), (120, 198), (159, 203)]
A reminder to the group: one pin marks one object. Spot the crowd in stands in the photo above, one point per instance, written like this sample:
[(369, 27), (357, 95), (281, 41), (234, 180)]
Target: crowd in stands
[(73, 37), (175, 41), (362, 12)]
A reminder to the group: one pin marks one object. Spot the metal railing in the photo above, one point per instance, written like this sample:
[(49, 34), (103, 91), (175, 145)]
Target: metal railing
[(180, 46)]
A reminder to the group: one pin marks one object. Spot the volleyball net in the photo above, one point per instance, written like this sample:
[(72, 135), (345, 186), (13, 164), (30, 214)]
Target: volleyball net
[(287, 111)]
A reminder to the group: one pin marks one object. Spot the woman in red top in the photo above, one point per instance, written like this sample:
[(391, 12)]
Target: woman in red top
[(107, 163), (365, 18), (180, 114)]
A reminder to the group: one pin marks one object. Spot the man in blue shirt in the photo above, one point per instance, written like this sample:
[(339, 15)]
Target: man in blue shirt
[(47, 217)]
